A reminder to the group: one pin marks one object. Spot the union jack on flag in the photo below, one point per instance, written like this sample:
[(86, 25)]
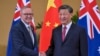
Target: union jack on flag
[(89, 18), (16, 18)]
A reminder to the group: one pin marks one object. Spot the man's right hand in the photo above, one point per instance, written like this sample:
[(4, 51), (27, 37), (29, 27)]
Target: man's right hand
[(42, 54)]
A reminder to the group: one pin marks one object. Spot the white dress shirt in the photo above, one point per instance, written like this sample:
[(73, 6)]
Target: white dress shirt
[(68, 27)]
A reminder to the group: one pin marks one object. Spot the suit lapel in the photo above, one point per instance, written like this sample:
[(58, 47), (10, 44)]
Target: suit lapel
[(24, 29), (69, 32), (59, 34)]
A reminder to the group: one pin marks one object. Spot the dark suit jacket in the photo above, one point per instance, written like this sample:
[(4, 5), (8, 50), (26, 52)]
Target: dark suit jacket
[(75, 43), (22, 42)]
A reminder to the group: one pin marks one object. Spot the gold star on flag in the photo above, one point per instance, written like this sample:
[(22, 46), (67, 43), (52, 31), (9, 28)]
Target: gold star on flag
[(48, 23), (56, 24), (50, 4)]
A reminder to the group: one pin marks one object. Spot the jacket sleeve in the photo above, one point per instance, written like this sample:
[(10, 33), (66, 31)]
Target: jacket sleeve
[(83, 43)]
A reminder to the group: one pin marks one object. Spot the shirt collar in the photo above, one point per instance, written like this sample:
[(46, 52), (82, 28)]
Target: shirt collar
[(68, 25), (26, 25)]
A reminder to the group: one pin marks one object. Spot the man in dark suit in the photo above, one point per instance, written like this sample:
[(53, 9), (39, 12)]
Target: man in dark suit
[(68, 39), (23, 38)]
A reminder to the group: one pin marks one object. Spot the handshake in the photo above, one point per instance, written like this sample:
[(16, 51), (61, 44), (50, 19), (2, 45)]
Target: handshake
[(42, 54)]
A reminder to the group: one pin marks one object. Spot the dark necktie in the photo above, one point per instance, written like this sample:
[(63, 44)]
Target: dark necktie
[(63, 32)]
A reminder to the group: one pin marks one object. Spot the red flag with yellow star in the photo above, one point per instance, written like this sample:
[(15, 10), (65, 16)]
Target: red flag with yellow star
[(51, 21)]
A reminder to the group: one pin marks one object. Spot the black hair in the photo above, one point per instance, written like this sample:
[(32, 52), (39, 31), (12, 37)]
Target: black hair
[(69, 8)]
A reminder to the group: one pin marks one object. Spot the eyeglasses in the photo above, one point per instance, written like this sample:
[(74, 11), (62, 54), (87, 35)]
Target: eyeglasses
[(27, 13)]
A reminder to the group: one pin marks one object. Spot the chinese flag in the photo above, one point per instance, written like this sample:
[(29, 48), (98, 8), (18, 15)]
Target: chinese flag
[(51, 21)]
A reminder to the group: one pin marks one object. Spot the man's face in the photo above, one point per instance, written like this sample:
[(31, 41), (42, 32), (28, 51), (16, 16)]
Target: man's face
[(65, 16), (26, 15)]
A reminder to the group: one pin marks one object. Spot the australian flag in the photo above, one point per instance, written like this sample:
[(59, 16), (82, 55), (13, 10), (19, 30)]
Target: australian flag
[(89, 18), (16, 18)]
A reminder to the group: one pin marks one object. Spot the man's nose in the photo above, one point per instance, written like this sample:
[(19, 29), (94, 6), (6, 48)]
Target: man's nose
[(28, 15), (62, 16)]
